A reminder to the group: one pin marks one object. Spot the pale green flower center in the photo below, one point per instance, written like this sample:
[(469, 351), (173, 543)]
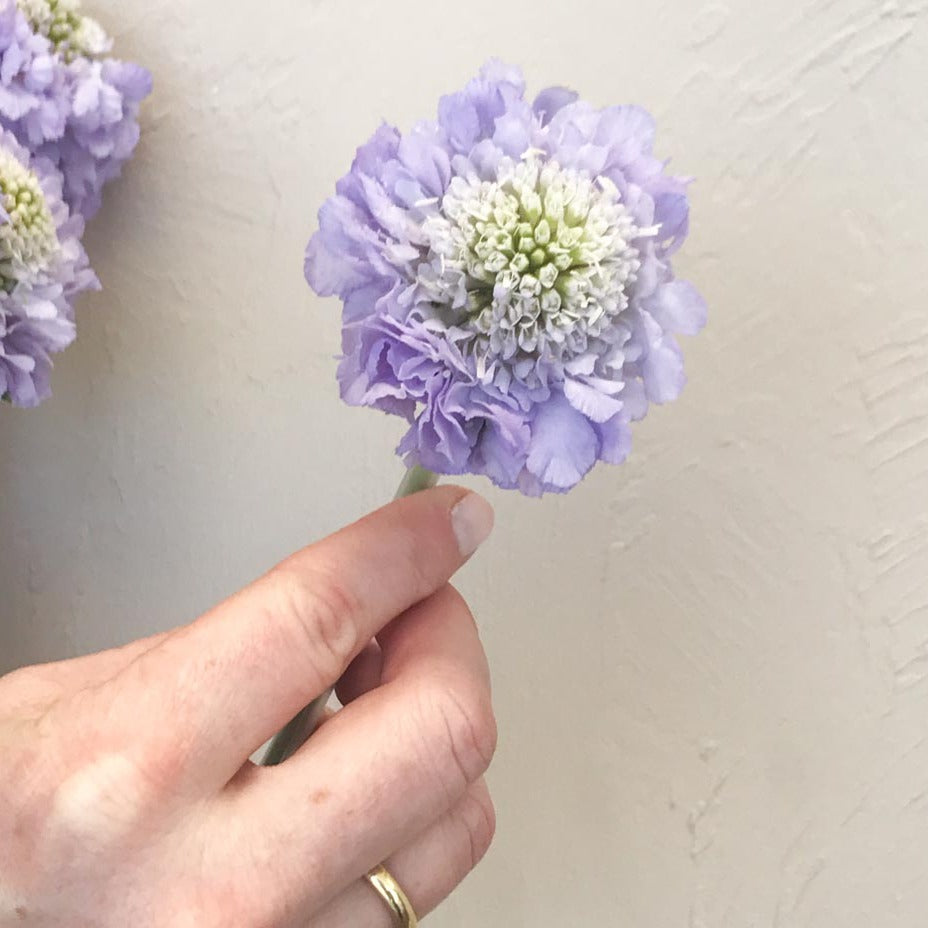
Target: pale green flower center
[(71, 32), (541, 256), (28, 237)]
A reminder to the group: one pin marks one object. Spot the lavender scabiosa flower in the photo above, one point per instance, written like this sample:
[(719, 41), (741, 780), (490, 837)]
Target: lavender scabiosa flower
[(65, 98), (43, 267), (507, 282)]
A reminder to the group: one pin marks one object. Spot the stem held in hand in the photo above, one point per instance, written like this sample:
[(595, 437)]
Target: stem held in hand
[(298, 731)]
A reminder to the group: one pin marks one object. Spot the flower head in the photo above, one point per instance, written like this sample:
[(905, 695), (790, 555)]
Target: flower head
[(42, 269), (507, 281), (61, 95)]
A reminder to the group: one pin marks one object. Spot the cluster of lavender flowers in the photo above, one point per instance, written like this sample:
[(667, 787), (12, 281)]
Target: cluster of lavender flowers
[(68, 123), (507, 282)]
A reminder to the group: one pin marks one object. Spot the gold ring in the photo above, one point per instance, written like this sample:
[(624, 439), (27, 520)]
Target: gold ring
[(392, 894)]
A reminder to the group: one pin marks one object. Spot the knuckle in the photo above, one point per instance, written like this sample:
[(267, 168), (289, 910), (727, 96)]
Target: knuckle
[(320, 611), (107, 799), (478, 819), (128, 774), (86, 789), (468, 728)]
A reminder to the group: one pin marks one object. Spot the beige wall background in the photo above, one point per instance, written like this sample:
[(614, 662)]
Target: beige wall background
[(711, 664)]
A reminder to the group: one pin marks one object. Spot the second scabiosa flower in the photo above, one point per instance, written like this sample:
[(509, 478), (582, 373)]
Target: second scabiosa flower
[(507, 281), (68, 123)]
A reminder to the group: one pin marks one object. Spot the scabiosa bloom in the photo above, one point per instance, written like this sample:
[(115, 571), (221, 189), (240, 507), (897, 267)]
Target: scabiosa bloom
[(65, 98), (42, 269), (507, 282)]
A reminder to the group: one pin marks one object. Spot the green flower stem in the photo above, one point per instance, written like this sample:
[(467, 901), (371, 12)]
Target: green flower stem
[(298, 731), (416, 480)]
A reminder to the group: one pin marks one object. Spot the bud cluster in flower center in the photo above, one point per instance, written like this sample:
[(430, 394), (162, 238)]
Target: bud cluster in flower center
[(28, 238), (535, 262), (66, 27)]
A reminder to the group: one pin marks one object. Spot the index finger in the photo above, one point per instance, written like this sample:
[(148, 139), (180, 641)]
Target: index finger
[(214, 692)]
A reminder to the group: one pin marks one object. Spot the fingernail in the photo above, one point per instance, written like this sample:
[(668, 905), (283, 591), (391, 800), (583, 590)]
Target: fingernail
[(472, 521)]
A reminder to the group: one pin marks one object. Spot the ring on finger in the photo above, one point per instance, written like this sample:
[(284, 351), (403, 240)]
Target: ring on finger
[(383, 882)]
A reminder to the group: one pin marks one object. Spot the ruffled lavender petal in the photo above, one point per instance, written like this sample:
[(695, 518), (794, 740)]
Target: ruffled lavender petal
[(564, 446), (551, 101)]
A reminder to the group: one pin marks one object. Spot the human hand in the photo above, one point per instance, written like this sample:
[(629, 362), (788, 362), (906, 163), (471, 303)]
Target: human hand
[(126, 794)]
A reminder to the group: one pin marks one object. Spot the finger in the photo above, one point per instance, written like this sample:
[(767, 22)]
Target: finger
[(428, 870), (215, 692), (382, 770), (362, 676)]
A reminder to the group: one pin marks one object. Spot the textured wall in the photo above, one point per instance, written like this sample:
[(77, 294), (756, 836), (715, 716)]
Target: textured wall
[(711, 664)]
